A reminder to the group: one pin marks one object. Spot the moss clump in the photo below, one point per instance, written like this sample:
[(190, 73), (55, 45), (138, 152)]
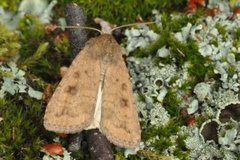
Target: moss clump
[(22, 134), (40, 53), (11, 5), (32, 33), (9, 43), (221, 29), (151, 155), (237, 34), (163, 132), (122, 11), (171, 102), (169, 26), (182, 52)]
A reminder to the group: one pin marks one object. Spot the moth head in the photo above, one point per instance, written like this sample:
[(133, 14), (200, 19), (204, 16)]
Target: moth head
[(106, 26)]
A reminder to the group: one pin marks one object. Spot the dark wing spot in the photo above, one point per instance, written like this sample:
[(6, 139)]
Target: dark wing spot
[(61, 111), (72, 112), (117, 79), (76, 74), (124, 86), (124, 102), (71, 89), (123, 126)]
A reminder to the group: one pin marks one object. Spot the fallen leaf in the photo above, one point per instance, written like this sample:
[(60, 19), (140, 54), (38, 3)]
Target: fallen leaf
[(53, 149), (193, 4), (212, 12), (191, 7), (191, 120), (236, 10), (199, 2)]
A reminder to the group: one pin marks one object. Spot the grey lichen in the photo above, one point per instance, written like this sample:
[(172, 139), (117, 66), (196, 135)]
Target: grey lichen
[(15, 82)]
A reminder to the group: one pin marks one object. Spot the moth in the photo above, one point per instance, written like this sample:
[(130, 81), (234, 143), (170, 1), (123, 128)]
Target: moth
[(96, 92)]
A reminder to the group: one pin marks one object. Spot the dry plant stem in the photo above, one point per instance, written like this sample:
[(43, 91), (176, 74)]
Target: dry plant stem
[(100, 146)]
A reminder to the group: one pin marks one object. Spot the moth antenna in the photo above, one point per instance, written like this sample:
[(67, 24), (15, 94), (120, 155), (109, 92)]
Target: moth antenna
[(131, 24), (80, 27)]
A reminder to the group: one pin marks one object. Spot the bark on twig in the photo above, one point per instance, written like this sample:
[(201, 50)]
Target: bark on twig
[(77, 37), (98, 146)]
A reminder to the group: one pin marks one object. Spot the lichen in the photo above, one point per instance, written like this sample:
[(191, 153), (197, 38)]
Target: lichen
[(16, 82), (184, 70), (38, 8), (206, 66)]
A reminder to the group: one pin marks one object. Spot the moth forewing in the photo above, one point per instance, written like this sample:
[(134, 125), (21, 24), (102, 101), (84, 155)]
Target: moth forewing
[(119, 120), (72, 105)]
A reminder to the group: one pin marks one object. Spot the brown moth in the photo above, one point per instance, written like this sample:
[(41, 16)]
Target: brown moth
[(95, 92)]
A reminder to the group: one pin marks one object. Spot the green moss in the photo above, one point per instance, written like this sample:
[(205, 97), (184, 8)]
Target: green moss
[(169, 25), (221, 29), (163, 132), (188, 84), (122, 11), (41, 54), (32, 33), (181, 152), (22, 133), (214, 42), (237, 34), (163, 141), (175, 23), (151, 155), (77, 155), (11, 5), (231, 70), (182, 52), (37, 55), (171, 103), (197, 68), (9, 43)]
